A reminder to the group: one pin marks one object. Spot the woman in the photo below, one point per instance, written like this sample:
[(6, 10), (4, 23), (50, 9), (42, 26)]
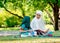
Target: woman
[(38, 24)]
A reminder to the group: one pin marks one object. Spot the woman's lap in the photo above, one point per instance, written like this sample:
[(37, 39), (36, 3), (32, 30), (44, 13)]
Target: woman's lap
[(41, 33)]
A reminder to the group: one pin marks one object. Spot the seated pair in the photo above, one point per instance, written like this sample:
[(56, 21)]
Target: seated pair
[(37, 25)]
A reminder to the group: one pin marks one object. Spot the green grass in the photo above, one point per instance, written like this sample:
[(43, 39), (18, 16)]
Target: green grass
[(46, 40), (56, 33), (17, 28), (10, 28), (14, 39), (17, 39)]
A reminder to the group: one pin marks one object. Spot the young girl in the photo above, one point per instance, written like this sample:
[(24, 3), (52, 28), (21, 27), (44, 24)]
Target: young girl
[(38, 24), (25, 24), (25, 30)]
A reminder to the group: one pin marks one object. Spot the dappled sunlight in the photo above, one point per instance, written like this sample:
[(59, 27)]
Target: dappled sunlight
[(50, 27)]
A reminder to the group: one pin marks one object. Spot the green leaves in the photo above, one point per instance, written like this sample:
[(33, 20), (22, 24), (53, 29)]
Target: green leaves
[(1, 5), (59, 3), (39, 4), (5, 1), (12, 1), (12, 21)]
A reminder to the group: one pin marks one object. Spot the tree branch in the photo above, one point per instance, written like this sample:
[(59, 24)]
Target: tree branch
[(23, 12), (49, 16), (50, 4), (11, 12)]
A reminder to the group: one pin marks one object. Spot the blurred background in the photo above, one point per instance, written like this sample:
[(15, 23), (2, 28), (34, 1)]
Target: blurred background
[(13, 11)]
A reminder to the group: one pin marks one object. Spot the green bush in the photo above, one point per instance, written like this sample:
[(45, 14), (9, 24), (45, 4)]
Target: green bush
[(12, 21), (1, 21)]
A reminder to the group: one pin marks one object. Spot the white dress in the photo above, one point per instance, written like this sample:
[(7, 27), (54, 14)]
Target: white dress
[(37, 24)]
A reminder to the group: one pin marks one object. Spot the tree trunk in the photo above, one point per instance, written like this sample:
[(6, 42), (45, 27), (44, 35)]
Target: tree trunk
[(56, 11)]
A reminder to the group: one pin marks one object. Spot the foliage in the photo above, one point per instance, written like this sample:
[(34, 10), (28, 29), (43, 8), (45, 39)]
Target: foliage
[(1, 21), (12, 21), (19, 6), (28, 7)]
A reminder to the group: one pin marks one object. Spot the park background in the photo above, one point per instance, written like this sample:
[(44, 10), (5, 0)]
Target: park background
[(13, 11)]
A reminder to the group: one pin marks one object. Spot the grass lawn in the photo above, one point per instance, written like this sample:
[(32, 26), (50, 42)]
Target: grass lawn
[(14, 39), (10, 28), (17, 39), (29, 40), (17, 28)]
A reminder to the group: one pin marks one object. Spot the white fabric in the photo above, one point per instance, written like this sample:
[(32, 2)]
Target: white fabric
[(39, 12), (38, 24)]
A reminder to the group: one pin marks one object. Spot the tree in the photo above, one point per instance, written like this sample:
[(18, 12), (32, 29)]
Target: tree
[(55, 4), (16, 4), (36, 4)]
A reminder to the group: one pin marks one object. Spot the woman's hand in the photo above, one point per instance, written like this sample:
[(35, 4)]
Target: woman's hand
[(46, 30)]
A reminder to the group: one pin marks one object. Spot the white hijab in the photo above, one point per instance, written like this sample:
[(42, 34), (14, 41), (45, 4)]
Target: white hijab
[(38, 23)]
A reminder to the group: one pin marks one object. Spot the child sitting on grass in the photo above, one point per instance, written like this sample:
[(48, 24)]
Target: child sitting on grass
[(25, 27), (25, 23), (38, 25)]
